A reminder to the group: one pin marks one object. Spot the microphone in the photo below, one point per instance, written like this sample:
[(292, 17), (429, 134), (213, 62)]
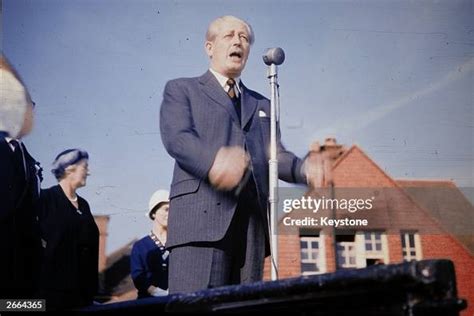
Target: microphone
[(275, 56)]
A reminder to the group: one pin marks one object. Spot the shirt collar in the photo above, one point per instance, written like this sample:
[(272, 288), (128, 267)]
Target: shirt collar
[(223, 81), (8, 139)]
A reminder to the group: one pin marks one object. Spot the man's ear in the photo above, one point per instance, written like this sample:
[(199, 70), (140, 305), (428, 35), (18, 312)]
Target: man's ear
[(208, 46)]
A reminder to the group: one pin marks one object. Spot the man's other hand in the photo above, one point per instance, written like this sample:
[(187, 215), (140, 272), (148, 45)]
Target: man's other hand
[(228, 168), (317, 167)]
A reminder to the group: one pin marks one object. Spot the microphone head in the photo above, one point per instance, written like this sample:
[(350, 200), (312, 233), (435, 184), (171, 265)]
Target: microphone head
[(274, 55)]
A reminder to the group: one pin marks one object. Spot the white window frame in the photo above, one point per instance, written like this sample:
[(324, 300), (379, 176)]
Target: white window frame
[(417, 246), (361, 254), (345, 251), (319, 262), (375, 254)]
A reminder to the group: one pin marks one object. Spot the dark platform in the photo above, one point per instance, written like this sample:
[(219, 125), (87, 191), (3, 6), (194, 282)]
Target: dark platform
[(414, 288)]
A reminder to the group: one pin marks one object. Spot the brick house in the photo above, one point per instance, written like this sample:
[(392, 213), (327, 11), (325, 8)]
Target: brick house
[(410, 220), (415, 219)]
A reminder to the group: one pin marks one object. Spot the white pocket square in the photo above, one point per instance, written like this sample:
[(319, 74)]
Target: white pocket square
[(262, 114)]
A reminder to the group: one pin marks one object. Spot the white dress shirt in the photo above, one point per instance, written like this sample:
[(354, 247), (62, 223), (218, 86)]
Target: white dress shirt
[(223, 82)]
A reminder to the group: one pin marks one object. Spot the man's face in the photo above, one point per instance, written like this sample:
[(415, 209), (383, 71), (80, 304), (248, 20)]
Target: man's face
[(230, 48)]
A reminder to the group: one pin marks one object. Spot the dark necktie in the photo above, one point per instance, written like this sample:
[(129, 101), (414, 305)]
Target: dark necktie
[(231, 92), (19, 158), (233, 96)]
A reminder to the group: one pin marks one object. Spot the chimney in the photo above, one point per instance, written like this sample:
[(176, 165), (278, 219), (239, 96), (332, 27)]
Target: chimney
[(102, 222)]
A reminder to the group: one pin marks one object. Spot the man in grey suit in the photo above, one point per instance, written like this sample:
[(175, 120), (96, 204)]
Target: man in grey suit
[(218, 132)]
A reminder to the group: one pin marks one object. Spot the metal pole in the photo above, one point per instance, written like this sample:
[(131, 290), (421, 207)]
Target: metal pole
[(273, 168)]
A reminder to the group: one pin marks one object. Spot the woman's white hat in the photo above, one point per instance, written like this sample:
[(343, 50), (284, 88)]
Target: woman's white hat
[(160, 196)]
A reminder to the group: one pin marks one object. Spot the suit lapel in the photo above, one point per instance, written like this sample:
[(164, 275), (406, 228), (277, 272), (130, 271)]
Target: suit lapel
[(6, 151), (212, 88), (249, 104), (29, 162)]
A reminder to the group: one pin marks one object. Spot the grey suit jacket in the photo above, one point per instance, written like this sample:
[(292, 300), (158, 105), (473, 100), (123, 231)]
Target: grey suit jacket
[(196, 119)]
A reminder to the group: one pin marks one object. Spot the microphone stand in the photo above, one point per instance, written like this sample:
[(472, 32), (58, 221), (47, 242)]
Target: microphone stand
[(273, 166)]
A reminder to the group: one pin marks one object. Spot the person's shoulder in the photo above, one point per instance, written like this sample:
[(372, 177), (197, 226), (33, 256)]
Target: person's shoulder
[(50, 191), (4, 147), (83, 200), (49, 199), (3, 140), (84, 205), (255, 94), (183, 81), (141, 242), (4, 151)]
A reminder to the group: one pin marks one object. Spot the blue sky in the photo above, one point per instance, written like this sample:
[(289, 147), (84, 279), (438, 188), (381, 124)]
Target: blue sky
[(394, 77)]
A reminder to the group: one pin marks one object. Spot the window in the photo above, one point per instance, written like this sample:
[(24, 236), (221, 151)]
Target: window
[(373, 241), (346, 251), (313, 259), (346, 255), (361, 249), (375, 250), (411, 246)]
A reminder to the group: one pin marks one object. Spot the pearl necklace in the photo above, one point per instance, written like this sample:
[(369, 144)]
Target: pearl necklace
[(75, 200)]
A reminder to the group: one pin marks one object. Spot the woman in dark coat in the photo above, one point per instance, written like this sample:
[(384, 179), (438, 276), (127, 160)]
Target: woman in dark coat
[(70, 236)]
